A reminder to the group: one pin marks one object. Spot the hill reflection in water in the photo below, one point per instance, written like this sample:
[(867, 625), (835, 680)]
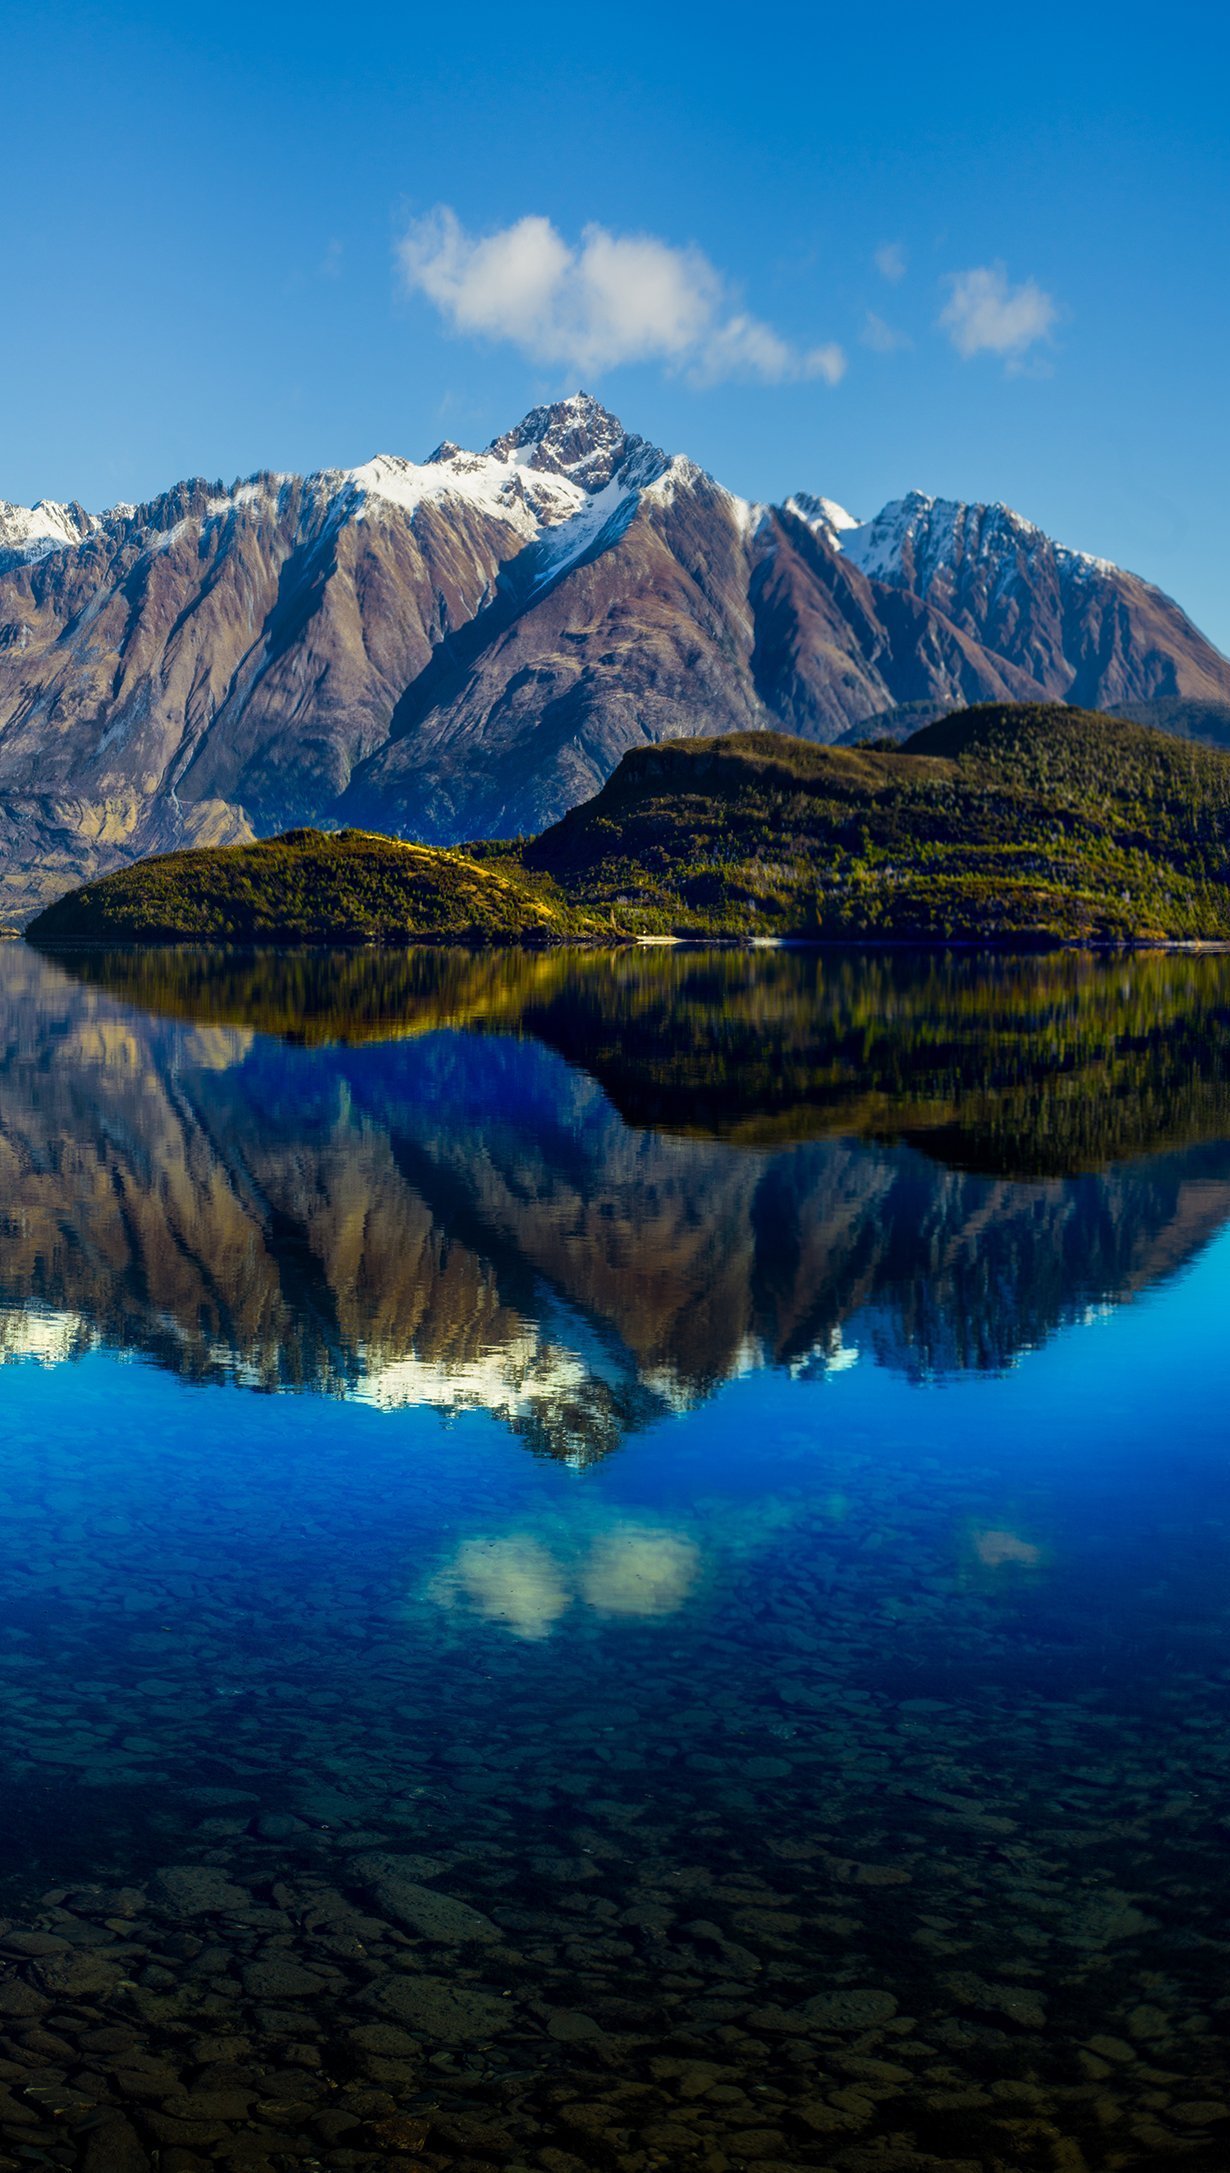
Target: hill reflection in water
[(580, 1190)]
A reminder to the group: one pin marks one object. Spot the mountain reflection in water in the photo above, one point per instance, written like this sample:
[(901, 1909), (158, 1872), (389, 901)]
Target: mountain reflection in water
[(582, 1190)]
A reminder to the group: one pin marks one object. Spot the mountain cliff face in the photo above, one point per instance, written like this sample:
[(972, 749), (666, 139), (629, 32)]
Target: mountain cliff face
[(466, 646), (1088, 632)]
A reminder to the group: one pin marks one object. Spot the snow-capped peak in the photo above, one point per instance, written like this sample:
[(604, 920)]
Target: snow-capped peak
[(567, 465), (577, 438), (524, 499), (31, 532), (823, 515), (571, 464), (914, 540)]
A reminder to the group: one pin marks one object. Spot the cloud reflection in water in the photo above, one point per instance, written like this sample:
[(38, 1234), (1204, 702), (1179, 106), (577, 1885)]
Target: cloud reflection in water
[(631, 1572), (995, 1548)]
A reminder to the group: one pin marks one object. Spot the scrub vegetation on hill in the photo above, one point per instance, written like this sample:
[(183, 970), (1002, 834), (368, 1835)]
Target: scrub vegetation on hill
[(315, 886), (1001, 824)]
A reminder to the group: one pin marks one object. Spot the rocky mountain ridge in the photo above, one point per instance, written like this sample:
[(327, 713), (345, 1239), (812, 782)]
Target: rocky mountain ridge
[(466, 646)]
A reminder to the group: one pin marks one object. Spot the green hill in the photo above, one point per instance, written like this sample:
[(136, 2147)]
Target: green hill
[(1000, 824), (1184, 717), (313, 886)]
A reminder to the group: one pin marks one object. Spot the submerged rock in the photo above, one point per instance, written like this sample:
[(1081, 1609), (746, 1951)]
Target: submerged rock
[(438, 1917), (854, 2010), (198, 1890), (454, 2012)]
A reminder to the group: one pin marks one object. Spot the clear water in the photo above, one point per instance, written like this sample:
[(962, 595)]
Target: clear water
[(614, 1562)]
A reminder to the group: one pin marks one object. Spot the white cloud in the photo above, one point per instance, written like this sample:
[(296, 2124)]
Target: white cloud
[(884, 338), (743, 346), (890, 261), (610, 298), (985, 315), (827, 362)]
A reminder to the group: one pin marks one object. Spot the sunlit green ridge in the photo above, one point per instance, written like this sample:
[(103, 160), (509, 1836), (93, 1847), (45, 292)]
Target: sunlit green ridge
[(1037, 825)]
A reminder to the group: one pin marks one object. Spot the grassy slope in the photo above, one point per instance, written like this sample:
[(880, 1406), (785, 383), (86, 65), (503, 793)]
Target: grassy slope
[(997, 824), (312, 887), (1040, 823)]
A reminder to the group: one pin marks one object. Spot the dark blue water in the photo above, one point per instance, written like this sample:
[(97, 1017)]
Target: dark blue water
[(614, 1563)]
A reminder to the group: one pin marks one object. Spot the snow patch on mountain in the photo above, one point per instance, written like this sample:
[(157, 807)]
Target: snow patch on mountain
[(1084, 562), (28, 533), (822, 515), (505, 490), (596, 525), (915, 540), (569, 473), (257, 490), (677, 476)]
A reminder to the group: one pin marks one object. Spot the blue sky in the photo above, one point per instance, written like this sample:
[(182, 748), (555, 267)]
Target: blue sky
[(979, 251)]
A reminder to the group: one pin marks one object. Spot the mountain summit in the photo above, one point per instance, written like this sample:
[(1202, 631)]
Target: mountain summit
[(578, 438), (466, 646)]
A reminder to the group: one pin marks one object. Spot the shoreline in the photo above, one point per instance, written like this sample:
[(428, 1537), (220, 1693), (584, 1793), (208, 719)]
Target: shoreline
[(1022, 944)]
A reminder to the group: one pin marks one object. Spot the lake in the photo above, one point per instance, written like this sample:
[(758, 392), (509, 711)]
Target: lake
[(614, 1560)]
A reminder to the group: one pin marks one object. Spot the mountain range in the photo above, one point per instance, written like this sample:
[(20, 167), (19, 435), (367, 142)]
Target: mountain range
[(465, 647)]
